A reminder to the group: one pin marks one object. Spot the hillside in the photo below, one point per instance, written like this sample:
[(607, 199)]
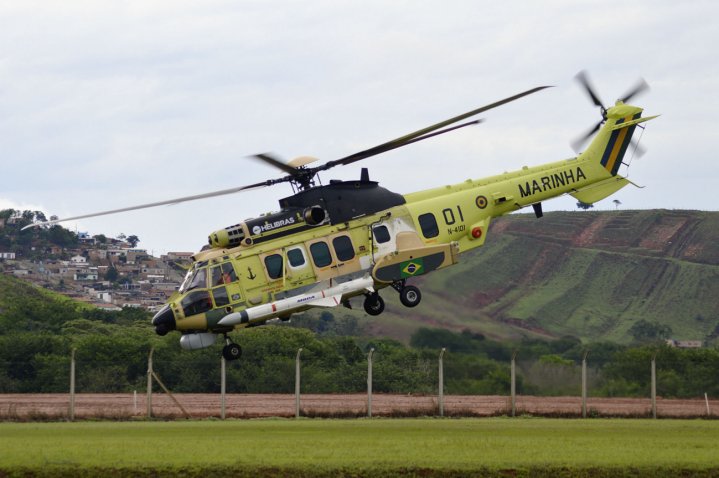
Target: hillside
[(592, 275)]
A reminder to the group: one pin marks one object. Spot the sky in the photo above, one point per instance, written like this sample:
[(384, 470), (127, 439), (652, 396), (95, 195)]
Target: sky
[(110, 104)]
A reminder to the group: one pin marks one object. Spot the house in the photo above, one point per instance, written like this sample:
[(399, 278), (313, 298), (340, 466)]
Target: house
[(177, 256), (685, 344), (108, 307), (88, 275), (78, 260), (7, 255), (85, 238)]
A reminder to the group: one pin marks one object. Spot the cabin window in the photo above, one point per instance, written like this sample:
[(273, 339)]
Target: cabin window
[(343, 248), (381, 234), (196, 303), (220, 295), (321, 254), (223, 274), (273, 264), (296, 257), (429, 225)]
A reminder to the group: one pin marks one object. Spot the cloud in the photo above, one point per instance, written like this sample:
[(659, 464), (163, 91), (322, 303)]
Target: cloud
[(113, 104)]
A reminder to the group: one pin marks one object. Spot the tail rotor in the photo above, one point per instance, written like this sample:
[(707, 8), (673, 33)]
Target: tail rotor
[(583, 79)]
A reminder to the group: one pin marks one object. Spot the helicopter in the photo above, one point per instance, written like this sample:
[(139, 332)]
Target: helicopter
[(332, 242)]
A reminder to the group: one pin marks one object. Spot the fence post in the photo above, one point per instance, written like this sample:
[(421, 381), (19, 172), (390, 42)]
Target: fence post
[(72, 385), (369, 383), (297, 384), (513, 378), (654, 386), (149, 383), (441, 383), (584, 385), (222, 387)]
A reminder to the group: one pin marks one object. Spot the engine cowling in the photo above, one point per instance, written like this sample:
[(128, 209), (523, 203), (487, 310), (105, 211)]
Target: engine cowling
[(197, 341)]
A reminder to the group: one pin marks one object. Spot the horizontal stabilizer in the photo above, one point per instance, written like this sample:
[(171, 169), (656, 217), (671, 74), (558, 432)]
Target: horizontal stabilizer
[(602, 189), (633, 122)]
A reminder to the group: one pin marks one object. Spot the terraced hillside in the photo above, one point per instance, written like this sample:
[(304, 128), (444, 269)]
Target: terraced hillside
[(588, 274)]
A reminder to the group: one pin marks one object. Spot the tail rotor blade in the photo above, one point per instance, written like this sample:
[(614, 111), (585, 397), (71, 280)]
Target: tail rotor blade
[(579, 142), (582, 78), (638, 149), (640, 87)]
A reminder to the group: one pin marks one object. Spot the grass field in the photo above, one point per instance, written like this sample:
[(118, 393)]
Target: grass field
[(377, 447)]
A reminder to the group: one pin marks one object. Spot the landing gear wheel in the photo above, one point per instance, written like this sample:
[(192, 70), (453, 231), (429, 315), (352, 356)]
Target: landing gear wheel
[(232, 351), (410, 296), (374, 304)]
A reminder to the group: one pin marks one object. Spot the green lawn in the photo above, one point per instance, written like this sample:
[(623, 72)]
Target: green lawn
[(364, 447)]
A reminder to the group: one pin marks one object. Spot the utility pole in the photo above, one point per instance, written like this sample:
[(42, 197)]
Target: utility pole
[(441, 383), (513, 386), (369, 383), (72, 385), (654, 386), (297, 384), (222, 387), (584, 385), (150, 372)]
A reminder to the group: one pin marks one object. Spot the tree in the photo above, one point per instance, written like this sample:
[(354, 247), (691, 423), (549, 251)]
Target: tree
[(133, 240), (101, 238), (111, 274), (584, 205), (645, 332), (617, 203)]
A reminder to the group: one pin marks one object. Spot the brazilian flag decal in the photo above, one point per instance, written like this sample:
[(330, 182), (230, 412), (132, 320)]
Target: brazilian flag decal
[(413, 267)]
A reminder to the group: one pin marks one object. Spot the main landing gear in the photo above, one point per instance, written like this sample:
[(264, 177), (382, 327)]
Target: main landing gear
[(409, 295), (231, 351)]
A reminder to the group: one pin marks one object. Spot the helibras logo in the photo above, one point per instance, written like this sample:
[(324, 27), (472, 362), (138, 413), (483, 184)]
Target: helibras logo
[(552, 181), (268, 226)]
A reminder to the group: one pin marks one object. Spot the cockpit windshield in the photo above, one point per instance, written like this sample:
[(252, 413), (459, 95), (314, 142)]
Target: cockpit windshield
[(195, 278)]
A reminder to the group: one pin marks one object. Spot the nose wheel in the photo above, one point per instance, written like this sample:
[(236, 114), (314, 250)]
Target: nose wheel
[(231, 351), (373, 304)]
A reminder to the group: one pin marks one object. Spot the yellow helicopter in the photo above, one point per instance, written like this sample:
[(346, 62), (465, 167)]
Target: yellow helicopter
[(329, 243)]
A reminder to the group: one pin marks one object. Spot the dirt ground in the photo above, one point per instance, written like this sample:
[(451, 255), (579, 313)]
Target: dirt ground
[(126, 406)]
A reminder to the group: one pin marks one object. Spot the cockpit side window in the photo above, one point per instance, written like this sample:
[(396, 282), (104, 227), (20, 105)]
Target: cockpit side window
[(196, 303), (197, 280)]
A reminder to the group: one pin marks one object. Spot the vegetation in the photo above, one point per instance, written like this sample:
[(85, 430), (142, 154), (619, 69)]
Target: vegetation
[(40, 328), (617, 301), (593, 275), (377, 447), (33, 243)]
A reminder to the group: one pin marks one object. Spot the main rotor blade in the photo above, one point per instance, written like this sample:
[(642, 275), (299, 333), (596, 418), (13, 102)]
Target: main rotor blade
[(408, 138), (272, 161), (584, 80), (222, 192), (640, 87)]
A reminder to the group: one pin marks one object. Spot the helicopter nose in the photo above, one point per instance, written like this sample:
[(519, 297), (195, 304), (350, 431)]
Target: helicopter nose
[(164, 321)]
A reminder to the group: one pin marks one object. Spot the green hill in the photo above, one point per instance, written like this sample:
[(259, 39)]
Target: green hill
[(592, 275)]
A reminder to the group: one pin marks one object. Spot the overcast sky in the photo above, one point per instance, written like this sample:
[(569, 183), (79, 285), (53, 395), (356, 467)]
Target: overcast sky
[(110, 104)]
